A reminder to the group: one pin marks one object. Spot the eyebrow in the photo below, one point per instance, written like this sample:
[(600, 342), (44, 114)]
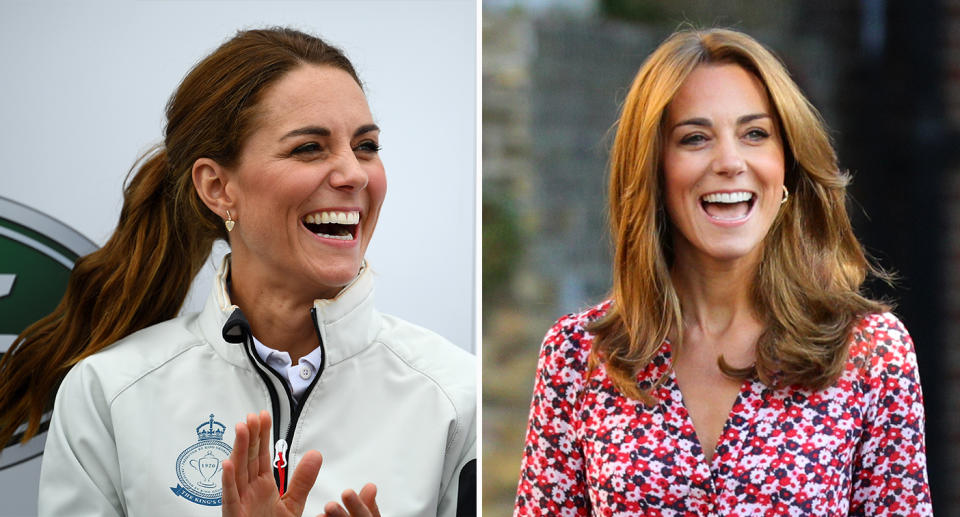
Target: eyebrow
[(323, 131), (703, 122)]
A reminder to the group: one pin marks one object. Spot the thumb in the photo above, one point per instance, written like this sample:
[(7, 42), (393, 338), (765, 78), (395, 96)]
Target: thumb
[(302, 481)]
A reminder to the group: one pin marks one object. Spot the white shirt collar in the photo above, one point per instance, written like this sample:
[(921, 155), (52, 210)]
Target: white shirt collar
[(280, 358)]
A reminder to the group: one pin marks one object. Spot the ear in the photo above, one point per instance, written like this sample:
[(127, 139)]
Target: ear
[(211, 180)]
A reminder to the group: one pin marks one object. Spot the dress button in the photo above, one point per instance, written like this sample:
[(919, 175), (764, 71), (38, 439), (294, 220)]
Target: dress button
[(305, 372)]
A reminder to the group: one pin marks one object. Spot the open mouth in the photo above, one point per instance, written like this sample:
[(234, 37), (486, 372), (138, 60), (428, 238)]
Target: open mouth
[(728, 206), (333, 225)]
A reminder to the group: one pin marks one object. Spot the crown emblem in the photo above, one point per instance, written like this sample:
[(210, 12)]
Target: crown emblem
[(210, 430)]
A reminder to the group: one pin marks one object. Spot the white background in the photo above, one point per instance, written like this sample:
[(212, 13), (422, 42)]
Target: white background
[(83, 86)]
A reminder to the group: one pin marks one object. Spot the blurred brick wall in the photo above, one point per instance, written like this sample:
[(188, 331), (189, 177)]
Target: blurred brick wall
[(509, 224)]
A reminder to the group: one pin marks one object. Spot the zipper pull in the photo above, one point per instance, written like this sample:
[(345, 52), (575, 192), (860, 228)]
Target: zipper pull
[(280, 462)]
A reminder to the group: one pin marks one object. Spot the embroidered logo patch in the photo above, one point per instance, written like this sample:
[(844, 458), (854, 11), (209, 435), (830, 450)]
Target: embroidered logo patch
[(199, 466)]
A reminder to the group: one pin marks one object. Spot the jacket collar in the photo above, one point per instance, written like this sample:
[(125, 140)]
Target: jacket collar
[(347, 323)]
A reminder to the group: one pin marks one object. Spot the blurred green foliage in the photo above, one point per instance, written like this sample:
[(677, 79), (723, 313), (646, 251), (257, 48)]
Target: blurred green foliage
[(501, 246)]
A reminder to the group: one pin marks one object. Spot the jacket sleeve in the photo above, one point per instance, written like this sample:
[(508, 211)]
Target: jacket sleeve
[(79, 475), (458, 495), (552, 474), (890, 467)]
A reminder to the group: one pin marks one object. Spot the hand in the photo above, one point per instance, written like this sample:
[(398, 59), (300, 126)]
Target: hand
[(363, 505), (249, 489)]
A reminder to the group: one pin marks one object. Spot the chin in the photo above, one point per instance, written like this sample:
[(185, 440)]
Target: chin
[(733, 252), (336, 277)]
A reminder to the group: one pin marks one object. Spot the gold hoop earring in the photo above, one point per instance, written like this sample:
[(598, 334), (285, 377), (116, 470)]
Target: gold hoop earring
[(229, 222), (786, 194)]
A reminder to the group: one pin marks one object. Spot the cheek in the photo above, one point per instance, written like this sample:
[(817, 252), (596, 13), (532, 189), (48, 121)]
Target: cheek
[(376, 186), (773, 177), (771, 163), (679, 179)]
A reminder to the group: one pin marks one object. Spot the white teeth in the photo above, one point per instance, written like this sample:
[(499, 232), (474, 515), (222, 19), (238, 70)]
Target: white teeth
[(347, 237), (352, 217), (728, 197), (345, 218)]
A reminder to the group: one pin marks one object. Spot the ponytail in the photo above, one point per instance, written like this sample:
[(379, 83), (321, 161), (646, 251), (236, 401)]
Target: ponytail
[(140, 277)]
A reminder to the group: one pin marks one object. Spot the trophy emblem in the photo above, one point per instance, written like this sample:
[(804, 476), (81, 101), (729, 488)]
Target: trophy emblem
[(207, 466), (199, 466)]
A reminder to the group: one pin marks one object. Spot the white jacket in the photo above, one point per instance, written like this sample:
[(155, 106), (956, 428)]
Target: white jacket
[(141, 427)]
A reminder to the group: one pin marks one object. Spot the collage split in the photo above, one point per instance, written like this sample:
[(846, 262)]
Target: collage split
[(631, 258)]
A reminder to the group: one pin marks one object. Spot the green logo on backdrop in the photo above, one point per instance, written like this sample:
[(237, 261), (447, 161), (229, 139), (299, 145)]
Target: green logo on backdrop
[(37, 253)]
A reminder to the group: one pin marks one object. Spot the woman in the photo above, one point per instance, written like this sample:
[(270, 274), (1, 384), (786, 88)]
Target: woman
[(737, 368), (271, 146)]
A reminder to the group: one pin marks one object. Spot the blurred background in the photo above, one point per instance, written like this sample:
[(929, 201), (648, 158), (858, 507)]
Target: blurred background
[(886, 77)]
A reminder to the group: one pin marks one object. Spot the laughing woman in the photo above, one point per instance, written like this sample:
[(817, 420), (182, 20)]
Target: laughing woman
[(737, 368), (271, 146)]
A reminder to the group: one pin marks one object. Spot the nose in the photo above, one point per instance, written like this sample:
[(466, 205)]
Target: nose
[(348, 174), (728, 159)]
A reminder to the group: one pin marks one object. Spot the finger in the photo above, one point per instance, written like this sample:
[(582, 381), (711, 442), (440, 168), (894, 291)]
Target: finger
[(265, 463), (332, 509), (253, 450), (239, 457), (231, 497), (354, 505), (368, 494), (302, 481)]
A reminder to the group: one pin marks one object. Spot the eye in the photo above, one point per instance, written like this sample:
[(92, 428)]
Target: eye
[(367, 146), (693, 139), (757, 134), (307, 148)]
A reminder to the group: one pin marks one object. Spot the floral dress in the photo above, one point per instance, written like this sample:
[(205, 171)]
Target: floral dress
[(855, 448)]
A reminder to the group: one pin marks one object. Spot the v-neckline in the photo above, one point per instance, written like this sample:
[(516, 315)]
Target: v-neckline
[(698, 450), (725, 443)]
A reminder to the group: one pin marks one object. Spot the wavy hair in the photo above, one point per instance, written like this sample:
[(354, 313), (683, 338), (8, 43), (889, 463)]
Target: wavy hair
[(141, 275), (807, 286)]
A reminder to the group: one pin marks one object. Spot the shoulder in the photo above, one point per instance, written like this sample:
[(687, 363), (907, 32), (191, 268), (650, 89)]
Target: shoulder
[(880, 328), (424, 362), (882, 356), (432, 357), (130, 359), (566, 347), (569, 335), (881, 342)]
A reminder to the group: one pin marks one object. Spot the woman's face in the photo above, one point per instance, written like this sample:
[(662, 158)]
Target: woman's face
[(308, 185), (723, 165)]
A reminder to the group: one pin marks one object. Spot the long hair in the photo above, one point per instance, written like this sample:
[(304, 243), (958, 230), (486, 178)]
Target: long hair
[(807, 287), (165, 233)]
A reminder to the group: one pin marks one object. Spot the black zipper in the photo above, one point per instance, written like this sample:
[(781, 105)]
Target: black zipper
[(295, 414), (263, 368)]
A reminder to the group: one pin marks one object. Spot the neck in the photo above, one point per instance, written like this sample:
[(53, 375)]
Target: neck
[(717, 305), (278, 318)]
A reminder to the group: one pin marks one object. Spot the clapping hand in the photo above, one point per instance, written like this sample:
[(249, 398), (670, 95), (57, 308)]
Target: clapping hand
[(249, 489), (362, 505)]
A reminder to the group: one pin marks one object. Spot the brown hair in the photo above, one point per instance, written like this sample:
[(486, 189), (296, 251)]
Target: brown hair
[(165, 233), (807, 287)]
